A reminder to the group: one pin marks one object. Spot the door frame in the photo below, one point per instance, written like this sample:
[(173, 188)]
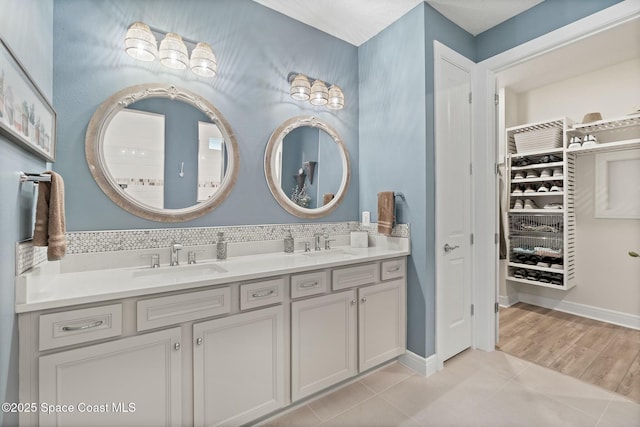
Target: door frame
[(443, 52), (485, 223)]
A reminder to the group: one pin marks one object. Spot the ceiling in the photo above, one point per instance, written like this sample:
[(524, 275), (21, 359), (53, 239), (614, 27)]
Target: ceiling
[(582, 56), (356, 21)]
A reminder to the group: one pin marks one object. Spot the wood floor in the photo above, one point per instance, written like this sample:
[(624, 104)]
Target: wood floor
[(595, 352)]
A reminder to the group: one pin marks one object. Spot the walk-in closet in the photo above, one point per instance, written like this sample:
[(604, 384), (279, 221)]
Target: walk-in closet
[(569, 162)]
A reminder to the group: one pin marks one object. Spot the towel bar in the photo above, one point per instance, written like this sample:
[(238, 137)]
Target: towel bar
[(34, 177)]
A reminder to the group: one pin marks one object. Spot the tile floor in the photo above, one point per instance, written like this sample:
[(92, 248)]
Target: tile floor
[(476, 388)]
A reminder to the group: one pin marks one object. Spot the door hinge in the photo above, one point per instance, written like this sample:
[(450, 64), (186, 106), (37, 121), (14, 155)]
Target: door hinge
[(472, 309), (497, 168), (471, 238), (496, 98), (470, 97), (496, 307), (496, 238), (470, 168)]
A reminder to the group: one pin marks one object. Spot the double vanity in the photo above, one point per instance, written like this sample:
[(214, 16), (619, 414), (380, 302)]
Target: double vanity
[(140, 337), (206, 344)]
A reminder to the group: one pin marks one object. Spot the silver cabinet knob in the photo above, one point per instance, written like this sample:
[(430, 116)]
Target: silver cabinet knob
[(353, 302), (199, 341), (177, 346), (448, 248), (363, 299)]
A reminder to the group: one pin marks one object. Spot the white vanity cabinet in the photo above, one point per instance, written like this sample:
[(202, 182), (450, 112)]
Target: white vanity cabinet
[(222, 354), (133, 381), (238, 367), (323, 342), (333, 337)]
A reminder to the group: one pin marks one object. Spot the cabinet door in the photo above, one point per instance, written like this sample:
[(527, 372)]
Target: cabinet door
[(239, 367), (381, 323), (323, 342), (131, 381)]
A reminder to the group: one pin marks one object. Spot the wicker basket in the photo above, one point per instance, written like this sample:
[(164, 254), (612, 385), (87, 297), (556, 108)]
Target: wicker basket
[(538, 140)]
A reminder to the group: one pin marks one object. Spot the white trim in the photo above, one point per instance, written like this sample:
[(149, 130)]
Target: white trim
[(508, 301), (604, 315), (424, 367), (485, 254)]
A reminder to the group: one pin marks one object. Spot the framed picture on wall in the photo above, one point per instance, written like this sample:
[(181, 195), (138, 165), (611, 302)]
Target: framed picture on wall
[(26, 117)]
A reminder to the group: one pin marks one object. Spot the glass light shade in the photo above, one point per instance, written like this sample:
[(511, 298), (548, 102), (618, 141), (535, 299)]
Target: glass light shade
[(140, 43), (173, 52), (300, 88), (319, 93), (336, 98), (203, 61)]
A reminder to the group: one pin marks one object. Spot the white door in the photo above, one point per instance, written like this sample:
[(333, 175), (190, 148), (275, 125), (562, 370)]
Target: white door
[(132, 381), (381, 323), (323, 342), (453, 201), (238, 367)]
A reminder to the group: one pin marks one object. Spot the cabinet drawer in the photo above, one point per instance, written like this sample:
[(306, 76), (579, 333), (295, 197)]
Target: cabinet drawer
[(392, 269), (344, 278), (80, 326), (174, 309), (303, 285), (263, 293)]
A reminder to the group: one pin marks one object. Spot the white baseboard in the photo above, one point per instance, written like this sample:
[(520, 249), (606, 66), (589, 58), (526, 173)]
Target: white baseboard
[(508, 300), (605, 315), (423, 366)]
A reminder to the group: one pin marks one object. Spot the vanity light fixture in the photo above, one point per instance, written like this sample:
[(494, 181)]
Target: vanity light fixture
[(141, 42), (317, 93)]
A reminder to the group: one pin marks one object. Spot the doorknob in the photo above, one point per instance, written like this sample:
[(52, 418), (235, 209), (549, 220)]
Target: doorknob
[(448, 248)]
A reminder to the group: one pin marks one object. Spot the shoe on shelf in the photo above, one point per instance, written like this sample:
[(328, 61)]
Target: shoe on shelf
[(518, 204), (519, 175), (529, 189), (557, 266), (555, 188), (520, 274), (517, 191), (557, 172), (520, 162), (575, 142), (546, 173), (532, 174), (543, 264), (589, 141), (530, 204), (543, 189), (554, 159), (553, 206)]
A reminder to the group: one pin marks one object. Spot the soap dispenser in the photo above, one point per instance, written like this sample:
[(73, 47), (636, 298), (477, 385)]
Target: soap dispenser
[(221, 246), (288, 243)]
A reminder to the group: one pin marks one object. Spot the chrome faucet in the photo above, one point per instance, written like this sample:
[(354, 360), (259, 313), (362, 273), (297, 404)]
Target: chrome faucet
[(317, 237), (175, 248)]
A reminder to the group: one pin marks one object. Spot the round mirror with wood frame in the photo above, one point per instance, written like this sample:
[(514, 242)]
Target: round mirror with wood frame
[(336, 168), (214, 133)]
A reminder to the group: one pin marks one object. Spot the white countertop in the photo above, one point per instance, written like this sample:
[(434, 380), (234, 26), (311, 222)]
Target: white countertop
[(46, 287)]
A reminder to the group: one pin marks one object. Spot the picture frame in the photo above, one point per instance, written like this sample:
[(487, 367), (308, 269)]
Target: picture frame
[(26, 116)]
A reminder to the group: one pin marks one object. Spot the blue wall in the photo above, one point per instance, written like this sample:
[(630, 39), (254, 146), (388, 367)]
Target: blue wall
[(540, 19), (27, 26), (256, 48), (397, 149)]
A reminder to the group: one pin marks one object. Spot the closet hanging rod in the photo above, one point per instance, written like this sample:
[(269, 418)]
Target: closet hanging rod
[(34, 177)]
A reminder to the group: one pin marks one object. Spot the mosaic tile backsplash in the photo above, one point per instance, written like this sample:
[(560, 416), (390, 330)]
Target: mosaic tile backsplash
[(79, 242)]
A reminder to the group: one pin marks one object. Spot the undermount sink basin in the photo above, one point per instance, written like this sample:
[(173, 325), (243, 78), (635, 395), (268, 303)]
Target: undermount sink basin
[(330, 254), (181, 270)]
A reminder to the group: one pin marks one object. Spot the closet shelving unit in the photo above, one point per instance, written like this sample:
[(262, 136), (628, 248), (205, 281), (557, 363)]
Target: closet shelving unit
[(541, 241)]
